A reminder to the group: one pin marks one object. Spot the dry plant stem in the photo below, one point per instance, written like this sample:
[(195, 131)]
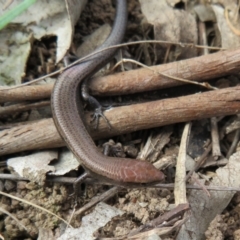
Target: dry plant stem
[(70, 180), (32, 204), (180, 183), (103, 197), (234, 144), (26, 93), (12, 177), (112, 47), (38, 135), (128, 119), (213, 163), (20, 107), (235, 30), (160, 231), (216, 152), (18, 124), (13, 217), (198, 69), (176, 212), (202, 38), (165, 112), (182, 80), (228, 128), (200, 161), (214, 127), (201, 185)]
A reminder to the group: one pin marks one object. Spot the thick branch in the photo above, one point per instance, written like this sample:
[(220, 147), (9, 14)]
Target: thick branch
[(198, 69), (25, 93), (127, 119)]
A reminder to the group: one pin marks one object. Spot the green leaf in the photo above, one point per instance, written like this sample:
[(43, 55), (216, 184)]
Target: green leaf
[(8, 16)]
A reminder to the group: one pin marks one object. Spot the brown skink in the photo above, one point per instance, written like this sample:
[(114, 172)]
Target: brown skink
[(68, 117)]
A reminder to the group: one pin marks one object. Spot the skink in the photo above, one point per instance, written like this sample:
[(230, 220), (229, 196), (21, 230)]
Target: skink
[(68, 117)]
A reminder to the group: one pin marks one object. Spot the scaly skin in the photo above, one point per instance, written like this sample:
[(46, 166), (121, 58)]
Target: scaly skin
[(68, 117)]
